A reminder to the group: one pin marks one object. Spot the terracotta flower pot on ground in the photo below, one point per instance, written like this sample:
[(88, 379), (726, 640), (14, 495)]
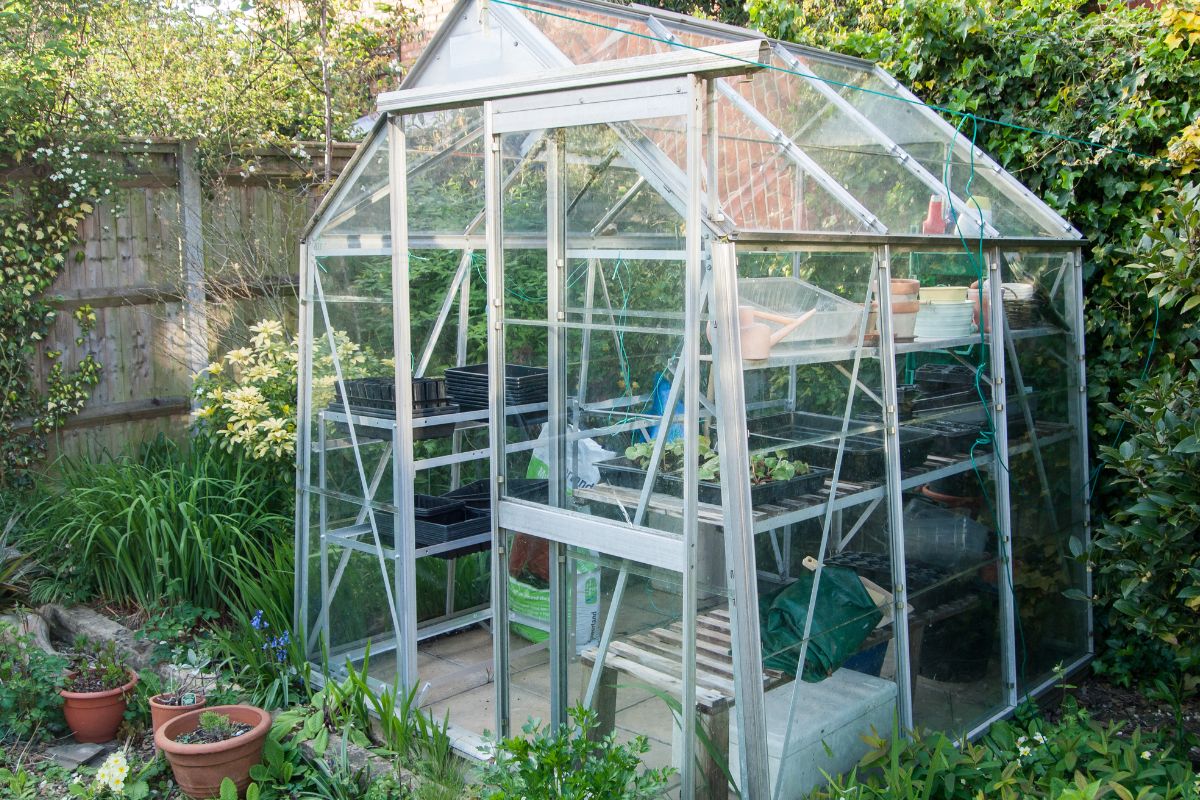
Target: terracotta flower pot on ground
[(200, 768), (95, 716), (161, 713)]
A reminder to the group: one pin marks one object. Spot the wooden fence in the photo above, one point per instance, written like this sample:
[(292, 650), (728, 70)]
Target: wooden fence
[(176, 269)]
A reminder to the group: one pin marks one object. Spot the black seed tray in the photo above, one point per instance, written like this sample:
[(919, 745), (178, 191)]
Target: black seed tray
[(864, 455), (934, 378), (380, 393), (477, 494), (522, 385), (925, 580), (454, 525), (426, 506), (947, 399), (951, 438), (760, 493), (421, 409), (472, 518), (623, 472)]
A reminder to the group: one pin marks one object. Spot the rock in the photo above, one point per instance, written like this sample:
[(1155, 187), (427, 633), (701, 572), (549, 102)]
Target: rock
[(66, 624), (31, 624), (70, 756)]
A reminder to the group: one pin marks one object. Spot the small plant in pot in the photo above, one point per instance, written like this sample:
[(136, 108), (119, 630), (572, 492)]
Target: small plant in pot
[(96, 691), (204, 747), (186, 690)]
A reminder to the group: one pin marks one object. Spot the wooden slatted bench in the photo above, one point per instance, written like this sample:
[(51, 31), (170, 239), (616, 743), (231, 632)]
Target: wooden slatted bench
[(655, 658)]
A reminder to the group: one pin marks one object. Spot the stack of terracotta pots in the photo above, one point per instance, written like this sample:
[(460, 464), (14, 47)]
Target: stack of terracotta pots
[(905, 305)]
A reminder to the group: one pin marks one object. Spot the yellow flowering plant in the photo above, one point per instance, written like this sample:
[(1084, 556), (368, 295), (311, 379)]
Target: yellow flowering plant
[(246, 400), (113, 780)]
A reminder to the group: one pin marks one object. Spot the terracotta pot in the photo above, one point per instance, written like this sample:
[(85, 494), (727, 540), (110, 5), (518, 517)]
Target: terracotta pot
[(95, 716), (905, 286), (200, 768), (162, 713)]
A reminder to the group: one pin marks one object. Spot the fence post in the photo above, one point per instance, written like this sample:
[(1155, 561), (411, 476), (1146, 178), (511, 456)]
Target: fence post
[(195, 311)]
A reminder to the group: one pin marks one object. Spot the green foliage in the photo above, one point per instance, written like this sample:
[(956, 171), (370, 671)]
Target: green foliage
[(40, 213), (96, 667), (1124, 77), (271, 668), (568, 764), (14, 568), (196, 526), (1145, 551), (1075, 758), (764, 467), (30, 705), (173, 629), (17, 785)]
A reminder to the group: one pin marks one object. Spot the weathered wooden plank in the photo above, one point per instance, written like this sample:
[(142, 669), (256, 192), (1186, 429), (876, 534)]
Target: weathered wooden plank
[(129, 411)]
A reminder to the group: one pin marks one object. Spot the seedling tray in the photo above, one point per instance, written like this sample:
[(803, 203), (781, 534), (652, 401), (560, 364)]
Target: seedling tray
[(938, 378), (421, 409), (453, 525), (952, 438), (864, 454), (623, 472), (522, 385), (761, 494), (477, 494), (429, 507)]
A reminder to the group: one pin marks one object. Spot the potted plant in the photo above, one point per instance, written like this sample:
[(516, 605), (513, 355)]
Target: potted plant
[(206, 746), (185, 692), (96, 691)]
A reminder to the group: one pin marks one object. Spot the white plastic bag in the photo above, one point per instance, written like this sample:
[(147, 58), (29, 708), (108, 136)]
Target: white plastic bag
[(581, 465)]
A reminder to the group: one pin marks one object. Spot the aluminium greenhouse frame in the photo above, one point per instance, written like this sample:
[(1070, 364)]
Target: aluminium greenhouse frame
[(615, 93)]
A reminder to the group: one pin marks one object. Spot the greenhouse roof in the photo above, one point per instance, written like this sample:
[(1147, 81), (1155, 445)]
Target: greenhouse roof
[(811, 143)]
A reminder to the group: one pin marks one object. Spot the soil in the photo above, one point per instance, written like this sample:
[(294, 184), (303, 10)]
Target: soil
[(204, 736), (1107, 702), (87, 682)]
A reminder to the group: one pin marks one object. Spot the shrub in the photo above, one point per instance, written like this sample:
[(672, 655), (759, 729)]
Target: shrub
[(1074, 759), (1148, 572), (30, 705), (197, 526), (567, 764)]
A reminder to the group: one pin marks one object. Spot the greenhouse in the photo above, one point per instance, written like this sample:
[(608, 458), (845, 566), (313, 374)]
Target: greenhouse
[(714, 383)]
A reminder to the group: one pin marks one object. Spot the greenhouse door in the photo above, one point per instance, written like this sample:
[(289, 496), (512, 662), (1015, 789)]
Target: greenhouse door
[(594, 252)]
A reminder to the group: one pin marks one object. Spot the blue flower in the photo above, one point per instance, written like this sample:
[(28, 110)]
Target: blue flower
[(257, 621)]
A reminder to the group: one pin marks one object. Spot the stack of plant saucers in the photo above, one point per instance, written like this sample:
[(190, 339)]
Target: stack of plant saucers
[(945, 313)]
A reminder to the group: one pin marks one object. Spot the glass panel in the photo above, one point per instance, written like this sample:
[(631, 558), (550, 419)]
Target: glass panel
[(445, 171), (952, 550), (1013, 210), (597, 37), (363, 207), (620, 329), (1045, 476)]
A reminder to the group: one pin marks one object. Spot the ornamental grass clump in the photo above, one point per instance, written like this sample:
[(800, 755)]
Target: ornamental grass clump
[(175, 525)]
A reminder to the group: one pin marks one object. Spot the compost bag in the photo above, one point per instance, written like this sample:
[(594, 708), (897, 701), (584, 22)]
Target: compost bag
[(845, 615)]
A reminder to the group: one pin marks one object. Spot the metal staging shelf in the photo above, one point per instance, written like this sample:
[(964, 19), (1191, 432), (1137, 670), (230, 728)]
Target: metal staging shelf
[(824, 354), (806, 507)]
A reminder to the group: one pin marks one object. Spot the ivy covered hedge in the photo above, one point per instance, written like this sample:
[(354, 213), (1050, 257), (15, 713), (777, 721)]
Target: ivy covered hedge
[(1128, 78)]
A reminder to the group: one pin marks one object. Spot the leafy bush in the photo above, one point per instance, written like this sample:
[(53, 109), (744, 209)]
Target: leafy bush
[(1145, 552), (1074, 759), (30, 704), (567, 764), (195, 526)]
